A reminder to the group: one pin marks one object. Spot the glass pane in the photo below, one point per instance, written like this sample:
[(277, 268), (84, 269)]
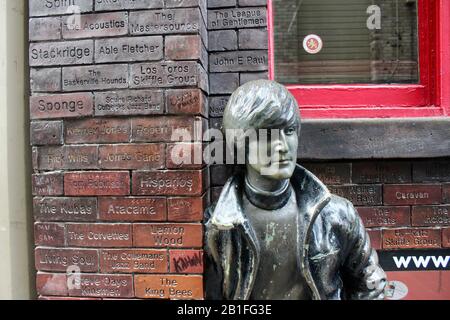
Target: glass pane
[(364, 41)]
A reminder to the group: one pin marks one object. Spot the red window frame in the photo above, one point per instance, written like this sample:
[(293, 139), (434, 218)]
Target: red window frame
[(429, 98)]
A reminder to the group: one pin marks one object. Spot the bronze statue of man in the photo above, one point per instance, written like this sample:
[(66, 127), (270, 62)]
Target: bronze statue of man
[(276, 232)]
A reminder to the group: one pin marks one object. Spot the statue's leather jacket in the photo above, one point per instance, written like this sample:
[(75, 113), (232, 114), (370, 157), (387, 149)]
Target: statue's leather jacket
[(333, 249)]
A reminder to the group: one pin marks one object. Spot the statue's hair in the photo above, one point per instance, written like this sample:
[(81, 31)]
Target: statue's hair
[(261, 104)]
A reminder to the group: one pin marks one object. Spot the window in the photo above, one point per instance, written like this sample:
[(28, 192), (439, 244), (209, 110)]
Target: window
[(380, 49), (362, 58)]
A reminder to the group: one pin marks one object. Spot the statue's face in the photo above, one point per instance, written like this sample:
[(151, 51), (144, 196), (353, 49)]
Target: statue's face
[(279, 161)]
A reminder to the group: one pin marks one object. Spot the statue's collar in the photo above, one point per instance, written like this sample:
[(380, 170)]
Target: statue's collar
[(267, 200), (228, 213)]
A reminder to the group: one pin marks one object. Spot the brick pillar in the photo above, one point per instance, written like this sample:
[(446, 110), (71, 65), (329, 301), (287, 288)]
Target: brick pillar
[(109, 86), (403, 203)]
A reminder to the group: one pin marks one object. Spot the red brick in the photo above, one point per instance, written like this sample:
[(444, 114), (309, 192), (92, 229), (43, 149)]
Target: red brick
[(104, 286), (97, 131), (411, 238), (60, 260), (217, 105), (446, 237), (186, 209), (132, 156), (49, 234), (114, 49), (43, 54), (79, 30), (238, 61), (186, 261), (177, 20), (169, 287), (66, 298), (133, 209), (167, 129), (71, 105), (128, 5), (111, 183), (431, 171), (51, 284), (45, 79), (120, 299), (381, 172), (185, 156), (129, 102), (34, 158), (185, 47), (331, 173), (375, 238), (133, 261), (360, 195), (186, 4), (65, 209), (52, 8), (188, 101), (171, 183), (446, 193), (46, 133), (67, 157), (167, 74), (44, 29), (95, 77), (168, 235), (99, 235), (385, 216), (431, 215), (48, 184), (412, 194)]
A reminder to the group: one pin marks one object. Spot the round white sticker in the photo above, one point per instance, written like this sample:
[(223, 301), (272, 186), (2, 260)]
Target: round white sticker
[(313, 44), (395, 290)]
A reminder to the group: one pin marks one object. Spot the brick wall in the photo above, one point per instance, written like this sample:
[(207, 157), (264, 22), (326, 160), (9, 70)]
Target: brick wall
[(404, 204), (108, 89)]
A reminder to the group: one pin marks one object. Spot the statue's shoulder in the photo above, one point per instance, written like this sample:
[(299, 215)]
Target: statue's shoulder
[(210, 210), (227, 212), (340, 211), (340, 201)]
